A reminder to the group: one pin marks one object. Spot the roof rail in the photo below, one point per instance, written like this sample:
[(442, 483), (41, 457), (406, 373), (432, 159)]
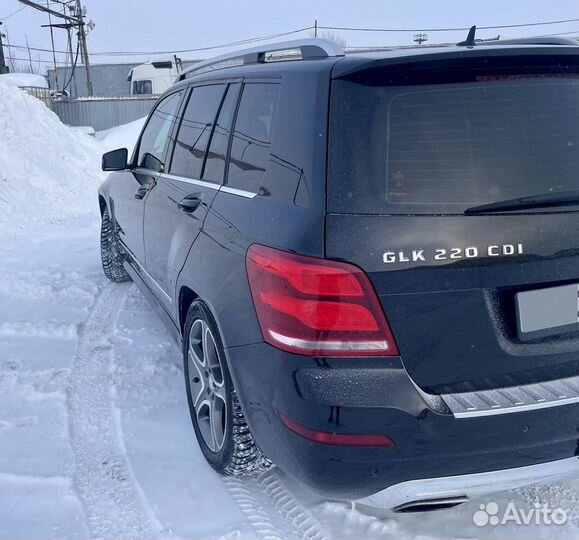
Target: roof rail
[(555, 40), (471, 40), (307, 48)]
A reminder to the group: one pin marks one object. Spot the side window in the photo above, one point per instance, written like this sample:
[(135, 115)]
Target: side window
[(195, 131), (217, 153), (155, 138), (142, 87), (250, 150)]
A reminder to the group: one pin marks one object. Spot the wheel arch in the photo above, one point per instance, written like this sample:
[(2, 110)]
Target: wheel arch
[(102, 204), (186, 297)]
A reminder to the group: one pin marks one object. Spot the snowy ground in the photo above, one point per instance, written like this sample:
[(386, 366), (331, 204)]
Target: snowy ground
[(95, 439)]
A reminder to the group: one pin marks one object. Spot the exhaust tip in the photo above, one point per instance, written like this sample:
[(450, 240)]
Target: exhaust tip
[(430, 505)]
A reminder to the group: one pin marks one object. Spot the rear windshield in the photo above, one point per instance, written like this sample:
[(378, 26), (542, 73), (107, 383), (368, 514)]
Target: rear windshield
[(443, 147)]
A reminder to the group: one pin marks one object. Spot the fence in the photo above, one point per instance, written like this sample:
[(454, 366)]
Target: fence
[(102, 113), (43, 94)]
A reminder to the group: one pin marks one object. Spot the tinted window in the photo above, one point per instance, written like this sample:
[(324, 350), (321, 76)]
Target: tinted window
[(453, 145), (215, 162), (142, 87), (250, 150), (195, 131), (155, 138)]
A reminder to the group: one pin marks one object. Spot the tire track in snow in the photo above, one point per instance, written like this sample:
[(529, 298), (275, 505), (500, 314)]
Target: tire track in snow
[(272, 510), (102, 477)]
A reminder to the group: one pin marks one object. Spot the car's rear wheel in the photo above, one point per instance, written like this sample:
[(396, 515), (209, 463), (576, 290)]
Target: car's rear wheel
[(112, 255), (219, 423)]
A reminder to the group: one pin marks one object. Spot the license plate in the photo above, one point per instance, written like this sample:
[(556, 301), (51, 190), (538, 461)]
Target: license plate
[(548, 312)]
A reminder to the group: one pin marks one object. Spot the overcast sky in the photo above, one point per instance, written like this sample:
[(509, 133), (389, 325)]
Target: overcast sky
[(171, 25)]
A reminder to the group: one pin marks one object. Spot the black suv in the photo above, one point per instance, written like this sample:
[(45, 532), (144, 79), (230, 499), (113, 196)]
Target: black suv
[(371, 261)]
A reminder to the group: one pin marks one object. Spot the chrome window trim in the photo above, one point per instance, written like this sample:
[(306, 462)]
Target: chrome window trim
[(147, 277), (239, 192), (514, 399), (193, 181), (210, 185)]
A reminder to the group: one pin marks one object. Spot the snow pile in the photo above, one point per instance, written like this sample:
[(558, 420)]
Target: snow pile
[(23, 79), (47, 170)]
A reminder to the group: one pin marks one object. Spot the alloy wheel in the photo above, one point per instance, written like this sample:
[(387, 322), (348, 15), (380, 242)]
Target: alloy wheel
[(207, 386)]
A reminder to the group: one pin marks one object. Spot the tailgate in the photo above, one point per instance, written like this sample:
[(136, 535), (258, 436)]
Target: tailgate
[(478, 297), (455, 316)]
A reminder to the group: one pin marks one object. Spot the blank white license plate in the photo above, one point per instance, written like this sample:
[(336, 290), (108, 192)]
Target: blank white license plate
[(547, 312)]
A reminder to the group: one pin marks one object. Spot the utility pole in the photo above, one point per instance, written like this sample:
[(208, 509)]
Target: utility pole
[(3, 67), (53, 51), (420, 38), (73, 21), (82, 38)]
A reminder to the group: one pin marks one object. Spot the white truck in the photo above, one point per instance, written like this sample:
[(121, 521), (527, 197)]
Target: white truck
[(154, 76)]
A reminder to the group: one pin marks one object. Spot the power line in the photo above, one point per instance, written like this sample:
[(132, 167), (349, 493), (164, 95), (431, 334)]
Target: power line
[(73, 68), (73, 20), (56, 14), (13, 13), (13, 59), (296, 31), (199, 49), (149, 53), (574, 32), (456, 29)]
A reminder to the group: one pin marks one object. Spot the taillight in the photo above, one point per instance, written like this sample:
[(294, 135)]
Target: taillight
[(315, 306), (336, 439)]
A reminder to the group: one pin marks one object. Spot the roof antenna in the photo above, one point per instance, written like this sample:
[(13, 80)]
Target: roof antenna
[(469, 41)]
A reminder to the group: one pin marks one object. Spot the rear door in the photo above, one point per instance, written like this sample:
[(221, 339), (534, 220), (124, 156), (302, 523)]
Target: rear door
[(177, 206), (412, 148)]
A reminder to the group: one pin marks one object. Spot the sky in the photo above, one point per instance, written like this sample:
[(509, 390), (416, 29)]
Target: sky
[(171, 25)]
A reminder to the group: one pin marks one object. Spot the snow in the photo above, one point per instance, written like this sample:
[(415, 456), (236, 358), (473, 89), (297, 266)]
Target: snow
[(23, 80), (48, 171), (121, 137), (95, 438)]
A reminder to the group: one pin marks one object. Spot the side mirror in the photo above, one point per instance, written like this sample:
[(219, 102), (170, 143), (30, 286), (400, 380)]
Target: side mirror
[(116, 160)]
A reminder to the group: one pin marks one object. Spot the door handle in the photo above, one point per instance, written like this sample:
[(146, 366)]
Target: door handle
[(190, 203), (141, 192)]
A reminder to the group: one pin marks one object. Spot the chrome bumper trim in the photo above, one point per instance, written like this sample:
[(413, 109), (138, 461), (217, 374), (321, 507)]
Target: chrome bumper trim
[(514, 399), (472, 485)]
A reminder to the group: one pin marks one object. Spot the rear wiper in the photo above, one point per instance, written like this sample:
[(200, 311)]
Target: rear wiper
[(547, 200)]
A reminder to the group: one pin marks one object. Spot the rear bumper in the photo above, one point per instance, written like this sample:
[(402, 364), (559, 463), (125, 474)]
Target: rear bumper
[(376, 396), (471, 486)]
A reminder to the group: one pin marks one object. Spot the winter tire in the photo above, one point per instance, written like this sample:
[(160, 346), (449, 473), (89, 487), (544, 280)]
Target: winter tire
[(219, 422), (112, 256)]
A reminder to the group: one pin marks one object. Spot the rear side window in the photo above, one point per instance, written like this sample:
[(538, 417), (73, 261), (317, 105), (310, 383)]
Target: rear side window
[(446, 147), (195, 131), (251, 146), (215, 162), (155, 138)]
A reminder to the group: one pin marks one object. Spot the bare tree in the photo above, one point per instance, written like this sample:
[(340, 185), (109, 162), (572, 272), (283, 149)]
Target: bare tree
[(333, 36), (26, 67)]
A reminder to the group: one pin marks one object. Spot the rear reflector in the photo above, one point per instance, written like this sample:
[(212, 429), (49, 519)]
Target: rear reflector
[(316, 307), (336, 439)]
